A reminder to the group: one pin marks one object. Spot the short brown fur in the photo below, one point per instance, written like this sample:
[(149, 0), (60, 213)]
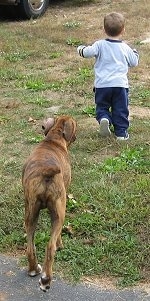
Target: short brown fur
[(46, 177)]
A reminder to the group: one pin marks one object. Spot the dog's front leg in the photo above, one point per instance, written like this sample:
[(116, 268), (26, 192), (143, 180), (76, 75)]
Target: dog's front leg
[(46, 278)]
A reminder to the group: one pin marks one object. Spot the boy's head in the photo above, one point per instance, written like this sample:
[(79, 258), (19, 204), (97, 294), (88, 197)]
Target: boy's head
[(114, 24)]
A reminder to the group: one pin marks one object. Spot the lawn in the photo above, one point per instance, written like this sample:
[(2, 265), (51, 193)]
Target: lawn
[(107, 225)]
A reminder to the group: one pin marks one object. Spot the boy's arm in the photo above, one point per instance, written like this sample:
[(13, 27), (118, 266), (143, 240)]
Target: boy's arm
[(88, 51), (133, 57)]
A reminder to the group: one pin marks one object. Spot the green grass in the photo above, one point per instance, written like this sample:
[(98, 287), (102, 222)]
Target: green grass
[(106, 230), (141, 95)]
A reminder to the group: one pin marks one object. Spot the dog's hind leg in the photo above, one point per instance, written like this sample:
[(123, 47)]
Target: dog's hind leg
[(57, 219), (31, 218)]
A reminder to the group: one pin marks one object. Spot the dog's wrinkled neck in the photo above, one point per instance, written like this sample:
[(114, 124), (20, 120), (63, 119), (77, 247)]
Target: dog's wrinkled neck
[(56, 139), (54, 134)]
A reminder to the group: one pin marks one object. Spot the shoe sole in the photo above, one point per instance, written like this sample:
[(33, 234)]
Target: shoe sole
[(104, 128), (122, 138)]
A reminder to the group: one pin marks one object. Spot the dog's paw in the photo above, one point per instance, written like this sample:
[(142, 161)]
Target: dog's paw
[(35, 272), (44, 283)]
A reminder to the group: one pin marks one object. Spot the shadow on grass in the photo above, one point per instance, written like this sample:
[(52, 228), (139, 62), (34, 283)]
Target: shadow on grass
[(11, 12)]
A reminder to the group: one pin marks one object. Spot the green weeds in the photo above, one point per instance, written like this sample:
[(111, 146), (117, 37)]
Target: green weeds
[(73, 42), (130, 159), (90, 111), (15, 56), (72, 24), (141, 96), (55, 55), (39, 85)]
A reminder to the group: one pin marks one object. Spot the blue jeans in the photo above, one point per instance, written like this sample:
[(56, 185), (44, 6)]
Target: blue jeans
[(112, 103)]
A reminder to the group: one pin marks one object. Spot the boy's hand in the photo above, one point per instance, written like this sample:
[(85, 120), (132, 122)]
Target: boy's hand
[(135, 51), (80, 50)]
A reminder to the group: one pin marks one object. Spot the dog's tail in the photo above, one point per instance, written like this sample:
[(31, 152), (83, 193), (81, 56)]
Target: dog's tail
[(50, 171)]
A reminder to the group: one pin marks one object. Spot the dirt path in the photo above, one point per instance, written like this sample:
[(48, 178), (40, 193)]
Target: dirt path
[(139, 112)]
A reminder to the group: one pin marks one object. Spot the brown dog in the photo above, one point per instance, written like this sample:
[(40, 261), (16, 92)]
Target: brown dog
[(46, 177)]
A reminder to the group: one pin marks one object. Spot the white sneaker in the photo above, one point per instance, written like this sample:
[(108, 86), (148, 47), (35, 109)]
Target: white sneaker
[(123, 138), (104, 128)]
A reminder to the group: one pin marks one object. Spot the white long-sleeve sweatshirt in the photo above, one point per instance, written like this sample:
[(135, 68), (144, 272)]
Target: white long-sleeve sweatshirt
[(112, 60)]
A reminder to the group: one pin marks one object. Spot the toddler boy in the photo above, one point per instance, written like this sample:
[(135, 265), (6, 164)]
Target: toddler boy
[(113, 57)]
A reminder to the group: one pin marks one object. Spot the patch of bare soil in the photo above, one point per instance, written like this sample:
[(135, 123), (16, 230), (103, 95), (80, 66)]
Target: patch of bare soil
[(107, 283), (147, 38), (139, 112), (104, 283), (2, 296)]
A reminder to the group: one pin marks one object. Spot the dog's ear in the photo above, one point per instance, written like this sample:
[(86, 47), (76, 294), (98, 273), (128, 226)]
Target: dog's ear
[(47, 125), (69, 131)]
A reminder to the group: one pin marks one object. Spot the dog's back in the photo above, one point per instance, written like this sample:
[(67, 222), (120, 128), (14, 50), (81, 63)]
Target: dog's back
[(46, 171)]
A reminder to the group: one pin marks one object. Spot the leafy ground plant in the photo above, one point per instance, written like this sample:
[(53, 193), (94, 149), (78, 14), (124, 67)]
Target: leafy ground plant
[(106, 230)]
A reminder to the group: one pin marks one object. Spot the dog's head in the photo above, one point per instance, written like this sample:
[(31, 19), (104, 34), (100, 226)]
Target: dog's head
[(65, 126)]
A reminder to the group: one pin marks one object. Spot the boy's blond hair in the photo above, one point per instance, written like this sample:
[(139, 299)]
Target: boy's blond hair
[(114, 24)]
